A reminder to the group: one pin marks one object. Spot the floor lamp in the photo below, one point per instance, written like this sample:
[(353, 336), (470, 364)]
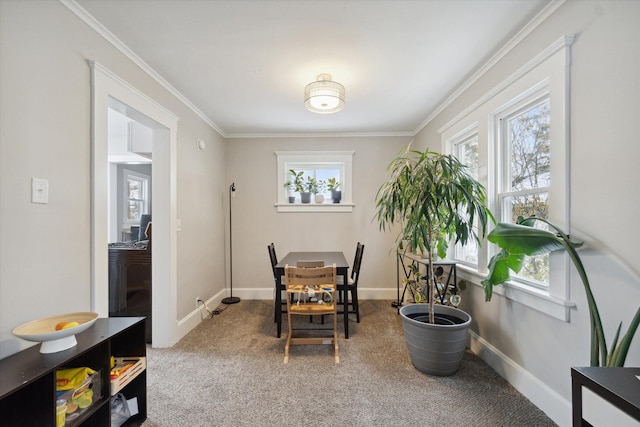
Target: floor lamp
[(231, 299)]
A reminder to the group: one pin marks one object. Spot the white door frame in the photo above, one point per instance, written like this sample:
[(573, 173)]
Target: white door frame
[(105, 86)]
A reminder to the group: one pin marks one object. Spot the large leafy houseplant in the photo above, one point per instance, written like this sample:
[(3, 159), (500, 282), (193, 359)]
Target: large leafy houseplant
[(522, 239), (435, 200)]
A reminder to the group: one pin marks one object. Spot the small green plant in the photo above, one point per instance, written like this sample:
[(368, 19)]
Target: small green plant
[(296, 180), (315, 186), (522, 239), (333, 184)]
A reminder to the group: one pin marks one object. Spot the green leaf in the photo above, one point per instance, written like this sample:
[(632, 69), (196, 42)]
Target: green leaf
[(521, 239), (500, 266), (625, 343)]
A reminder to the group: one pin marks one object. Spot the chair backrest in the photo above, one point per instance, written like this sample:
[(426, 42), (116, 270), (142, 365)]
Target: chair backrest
[(298, 279), (357, 261), (274, 259), (145, 219), (309, 264)]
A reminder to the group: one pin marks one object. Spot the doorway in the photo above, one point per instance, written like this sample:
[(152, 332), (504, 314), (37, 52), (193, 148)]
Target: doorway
[(109, 91)]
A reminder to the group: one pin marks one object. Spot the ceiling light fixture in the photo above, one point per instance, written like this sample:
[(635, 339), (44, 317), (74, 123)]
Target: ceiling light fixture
[(324, 95)]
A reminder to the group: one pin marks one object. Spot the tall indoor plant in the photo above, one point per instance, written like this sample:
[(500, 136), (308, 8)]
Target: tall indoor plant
[(522, 239), (435, 200)]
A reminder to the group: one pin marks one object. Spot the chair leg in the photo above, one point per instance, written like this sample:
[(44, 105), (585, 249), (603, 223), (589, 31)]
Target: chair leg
[(289, 336), (335, 337), (354, 303)]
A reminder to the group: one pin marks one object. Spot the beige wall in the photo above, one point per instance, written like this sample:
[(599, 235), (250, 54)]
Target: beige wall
[(251, 164), (533, 350), (45, 133)]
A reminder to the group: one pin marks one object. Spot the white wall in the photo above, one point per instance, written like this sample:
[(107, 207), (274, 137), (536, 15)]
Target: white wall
[(535, 351), (45, 133), (251, 164)]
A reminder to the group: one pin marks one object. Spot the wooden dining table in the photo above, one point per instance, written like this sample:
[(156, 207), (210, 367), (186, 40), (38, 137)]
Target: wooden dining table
[(329, 258)]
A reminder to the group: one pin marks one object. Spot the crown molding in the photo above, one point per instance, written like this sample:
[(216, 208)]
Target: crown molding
[(118, 44), (511, 44)]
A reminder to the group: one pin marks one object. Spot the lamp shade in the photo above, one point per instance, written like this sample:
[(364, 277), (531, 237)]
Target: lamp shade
[(324, 95)]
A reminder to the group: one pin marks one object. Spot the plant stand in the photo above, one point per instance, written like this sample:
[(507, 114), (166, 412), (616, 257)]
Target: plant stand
[(450, 277)]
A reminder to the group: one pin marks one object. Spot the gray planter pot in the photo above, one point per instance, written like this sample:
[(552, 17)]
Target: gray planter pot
[(336, 196), (305, 197), (435, 349)]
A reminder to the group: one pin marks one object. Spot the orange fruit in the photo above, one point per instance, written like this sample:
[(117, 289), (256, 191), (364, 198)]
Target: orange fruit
[(60, 325)]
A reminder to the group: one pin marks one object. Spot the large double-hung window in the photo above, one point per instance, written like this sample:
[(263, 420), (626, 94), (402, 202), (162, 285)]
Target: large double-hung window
[(515, 139), (524, 173), (465, 148)]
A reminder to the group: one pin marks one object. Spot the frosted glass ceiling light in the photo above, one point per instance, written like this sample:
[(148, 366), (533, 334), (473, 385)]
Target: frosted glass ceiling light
[(324, 95)]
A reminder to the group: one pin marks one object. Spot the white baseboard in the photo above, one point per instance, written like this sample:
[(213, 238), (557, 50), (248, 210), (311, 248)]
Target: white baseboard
[(363, 293), (192, 319), (548, 400)]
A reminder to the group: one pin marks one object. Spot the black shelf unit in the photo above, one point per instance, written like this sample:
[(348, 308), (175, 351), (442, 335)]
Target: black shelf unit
[(28, 378)]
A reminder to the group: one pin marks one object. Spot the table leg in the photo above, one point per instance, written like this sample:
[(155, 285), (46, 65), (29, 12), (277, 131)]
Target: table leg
[(576, 397), (345, 301), (278, 307)]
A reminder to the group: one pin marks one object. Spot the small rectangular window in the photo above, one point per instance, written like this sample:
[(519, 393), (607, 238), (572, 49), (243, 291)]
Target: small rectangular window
[(136, 194), (325, 168)]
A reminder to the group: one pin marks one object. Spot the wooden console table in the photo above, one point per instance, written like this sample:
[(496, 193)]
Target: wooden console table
[(618, 386)]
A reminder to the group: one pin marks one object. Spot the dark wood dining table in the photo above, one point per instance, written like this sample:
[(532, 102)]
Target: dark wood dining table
[(329, 258)]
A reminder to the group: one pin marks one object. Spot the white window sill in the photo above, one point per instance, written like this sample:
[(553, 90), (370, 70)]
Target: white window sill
[(314, 207), (538, 299)]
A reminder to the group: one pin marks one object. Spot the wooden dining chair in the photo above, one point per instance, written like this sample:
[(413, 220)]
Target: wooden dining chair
[(311, 292), (351, 287)]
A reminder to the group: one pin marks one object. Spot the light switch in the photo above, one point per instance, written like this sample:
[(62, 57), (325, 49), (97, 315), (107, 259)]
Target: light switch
[(179, 225), (39, 190)]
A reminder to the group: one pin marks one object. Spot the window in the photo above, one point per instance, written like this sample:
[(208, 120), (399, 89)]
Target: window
[(516, 137), (136, 196), (321, 165), (525, 173), (465, 148)]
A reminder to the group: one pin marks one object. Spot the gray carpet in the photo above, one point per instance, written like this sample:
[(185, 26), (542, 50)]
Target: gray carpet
[(229, 371)]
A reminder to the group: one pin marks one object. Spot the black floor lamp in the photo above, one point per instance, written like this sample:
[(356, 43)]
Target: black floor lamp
[(231, 299)]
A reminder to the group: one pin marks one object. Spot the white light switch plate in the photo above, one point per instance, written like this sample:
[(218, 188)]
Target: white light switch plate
[(39, 190)]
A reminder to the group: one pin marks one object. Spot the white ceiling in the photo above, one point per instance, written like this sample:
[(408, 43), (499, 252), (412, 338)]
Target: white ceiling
[(244, 64)]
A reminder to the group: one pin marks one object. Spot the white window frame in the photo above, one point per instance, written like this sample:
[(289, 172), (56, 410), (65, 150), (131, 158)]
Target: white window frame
[(342, 160), (455, 143), (549, 71), (144, 179), (525, 102)]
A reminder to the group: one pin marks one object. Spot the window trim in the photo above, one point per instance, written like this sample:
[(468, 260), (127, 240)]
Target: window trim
[(144, 179), (551, 69), (344, 158), (453, 147)]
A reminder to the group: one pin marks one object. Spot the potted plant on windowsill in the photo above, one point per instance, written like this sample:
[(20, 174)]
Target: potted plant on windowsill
[(291, 191), (522, 239), (332, 185), (296, 181), (318, 190), (435, 200)]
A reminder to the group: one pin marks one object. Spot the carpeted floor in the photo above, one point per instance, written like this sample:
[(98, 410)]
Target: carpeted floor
[(229, 371)]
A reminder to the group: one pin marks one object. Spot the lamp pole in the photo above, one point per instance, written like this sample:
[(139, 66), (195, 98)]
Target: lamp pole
[(231, 299)]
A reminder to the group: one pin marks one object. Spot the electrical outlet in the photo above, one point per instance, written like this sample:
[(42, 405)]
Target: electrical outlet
[(198, 299)]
